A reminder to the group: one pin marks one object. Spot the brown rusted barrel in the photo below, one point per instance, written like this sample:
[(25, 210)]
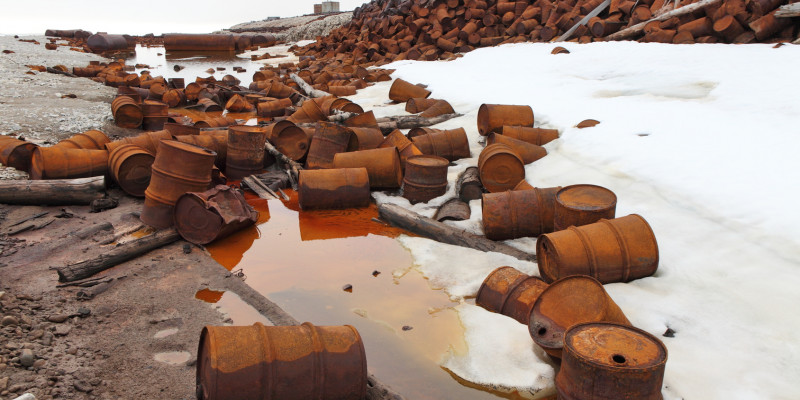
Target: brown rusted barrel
[(441, 107), (289, 139), (216, 122), (414, 132), (178, 168), (130, 166), (578, 205), (365, 139), (238, 104), (16, 153), (66, 163), (127, 113), (155, 115), (275, 108), (309, 112), (329, 139), (90, 140), (419, 104), (281, 363), (450, 144), (492, 117), (537, 136), (425, 178), (605, 361), (617, 250), (510, 292), (500, 168), (527, 152), (363, 120), (180, 129), (199, 42), (342, 90), (523, 185), (174, 97), (382, 164), (518, 213), (245, 151), (208, 105), (100, 42), (333, 188), (202, 218), (404, 146), (401, 91), (568, 301), (216, 141), (148, 141)]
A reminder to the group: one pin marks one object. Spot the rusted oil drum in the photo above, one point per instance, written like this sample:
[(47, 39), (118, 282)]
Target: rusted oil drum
[(578, 205), (215, 122), (16, 153), (178, 168), (157, 90), (510, 292), (524, 185), (363, 120), (492, 117), (199, 42), (617, 250), (414, 132), (425, 178), (382, 164), (127, 113), (180, 129), (329, 139), (419, 104), (309, 112), (537, 136), (238, 104), (245, 151), (148, 141), (65, 163), (450, 144), (135, 93), (289, 139), (202, 218), (566, 302), (333, 188), (403, 145), (454, 209), (174, 97), (192, 91), (342, 90), (90, 140), (130, 166), (208, 105), (500, 168), (155, 115), (274, 108), (518, 213), (401, 91), (216, 141), (441, 107), (527, 151), (365, 139), (605, 361), (100, 42), (281, 362)]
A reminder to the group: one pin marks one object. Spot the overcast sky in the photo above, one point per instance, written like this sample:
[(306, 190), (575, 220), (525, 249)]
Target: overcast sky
[(147, 16)]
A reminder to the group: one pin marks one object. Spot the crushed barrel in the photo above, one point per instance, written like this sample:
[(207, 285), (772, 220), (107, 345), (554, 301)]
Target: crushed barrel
[(202, 218)]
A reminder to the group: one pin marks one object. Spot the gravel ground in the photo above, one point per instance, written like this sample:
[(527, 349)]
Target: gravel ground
[(306, 27)]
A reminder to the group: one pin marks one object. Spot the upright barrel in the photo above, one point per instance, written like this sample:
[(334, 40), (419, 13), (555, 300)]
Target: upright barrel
[(329, 139), (578, 205), (425, 178), (130, 166), (245, 151), (155, 115), (510, 292), (492, 117), (518, 213), (333, 188), (500, 168), (202, 218)]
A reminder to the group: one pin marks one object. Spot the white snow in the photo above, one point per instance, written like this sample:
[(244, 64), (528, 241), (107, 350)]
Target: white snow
[(701, 141)]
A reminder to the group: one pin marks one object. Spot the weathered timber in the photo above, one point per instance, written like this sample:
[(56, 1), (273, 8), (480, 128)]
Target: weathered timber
[(633, 30), (788, 10), (468, 185), (583, 21), (389, 124), (293, 167), (259, 189), (52, 192), (307, 89)]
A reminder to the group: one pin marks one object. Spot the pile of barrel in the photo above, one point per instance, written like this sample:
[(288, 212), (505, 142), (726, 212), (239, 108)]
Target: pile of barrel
[(390, 30), (173, 42)]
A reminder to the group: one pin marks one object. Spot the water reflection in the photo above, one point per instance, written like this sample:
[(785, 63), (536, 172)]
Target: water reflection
[(194, 64)]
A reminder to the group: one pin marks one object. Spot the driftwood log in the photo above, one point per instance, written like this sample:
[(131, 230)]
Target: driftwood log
[(788, 10), (117, 255), (389, 124), (307, 89), (633, 30), (52, 192), (468, 185), (583, 21), (440, 232), (293, 167)]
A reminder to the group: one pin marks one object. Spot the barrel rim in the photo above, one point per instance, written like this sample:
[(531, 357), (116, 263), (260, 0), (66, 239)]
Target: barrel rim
[(571, 331)]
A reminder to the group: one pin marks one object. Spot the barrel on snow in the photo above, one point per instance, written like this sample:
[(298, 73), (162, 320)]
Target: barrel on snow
[(518, 213), (401, 91), (500, 168), (492, 117), (425, 178), (451, 144), (510, 292), (578, 205)]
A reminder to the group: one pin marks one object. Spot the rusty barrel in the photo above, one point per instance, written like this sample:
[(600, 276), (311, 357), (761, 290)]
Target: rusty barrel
[(174, 97), (365, 139), (425, 178), (289, 139), (178, 168), (16, 153), (130, 166), (382, 164), (401, 91), (215, 122), (66, 163), (180, 129), (281, 362), (309, 112), (527, 152), (605, 361), (333, 188), (90, 140), (419, 104), (568, 301), (537, 136), (450, 144), (414, 132), (404, 146), (155, 115), (500, 168), (342, 90), (329, 139), (363, 120), (492, 117), (238, 104), (100, 42), (216, 141), (127, 113), (441, 107), (199, 42), (510, 292), (245, 151), (617, 250), (524, 185), (275, 108), (148, 141), (202, 218), (518, 213), (578, 205), (208, 105)]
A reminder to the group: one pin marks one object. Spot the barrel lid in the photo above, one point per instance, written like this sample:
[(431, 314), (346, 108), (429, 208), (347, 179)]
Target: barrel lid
[(194, 221), (586, 197), (615, 346), (426, 160), (188, 147)]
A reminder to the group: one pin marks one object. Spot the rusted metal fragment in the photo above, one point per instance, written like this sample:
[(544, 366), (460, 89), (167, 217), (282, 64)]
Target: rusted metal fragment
[(202, 218)]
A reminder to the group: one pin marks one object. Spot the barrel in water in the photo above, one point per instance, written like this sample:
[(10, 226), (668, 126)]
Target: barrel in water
[(518, 213), (382, 164), (333, 188), (245, 151), (500, 168), (202, 218), (288, 139), (328, 140), (199, 42), (425, 178), (510, 292), (605, 361), (492, 117), (65, 163), (578, 205), (101, 42), (130, 166)]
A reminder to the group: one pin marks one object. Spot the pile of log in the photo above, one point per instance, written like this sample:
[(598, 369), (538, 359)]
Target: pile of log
[(390, 30)]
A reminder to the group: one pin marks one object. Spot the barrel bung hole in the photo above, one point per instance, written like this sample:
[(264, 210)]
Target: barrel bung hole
[(618, 358), (542, 331)]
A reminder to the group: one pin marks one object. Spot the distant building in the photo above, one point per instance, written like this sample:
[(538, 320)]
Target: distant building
[(326, 7), (317, 8)]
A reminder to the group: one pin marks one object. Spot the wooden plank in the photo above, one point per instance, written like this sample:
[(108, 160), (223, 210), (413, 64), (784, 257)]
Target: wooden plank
[(597, 10), (788, 10), (629, 32)]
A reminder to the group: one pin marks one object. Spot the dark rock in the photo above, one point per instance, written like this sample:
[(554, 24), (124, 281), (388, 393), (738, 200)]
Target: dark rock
[(82, 386), (407, 328), (669, 333), (348, 288), (58, 318), (9, 320), (26, 358)]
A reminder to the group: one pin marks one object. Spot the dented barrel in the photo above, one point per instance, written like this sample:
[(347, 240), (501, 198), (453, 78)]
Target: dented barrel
[(130, 166), (127, 112), (578, 205), (202, 218), (401, 91), (90, 140), (492, 117), (510, 292), (333, 188), (329, 139), (518, 213), (425, 178)]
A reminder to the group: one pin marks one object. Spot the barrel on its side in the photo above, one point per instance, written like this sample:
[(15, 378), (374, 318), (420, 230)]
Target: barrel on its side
[(578, 205), (333, 188), (518, 213), (100, 42), (127, 113), (90, 140), (16, 153), (451, 144), (500, 168), (492, 117), (510, 292), (401, 91), (202, 218), (527, 152), (537, 136), (199, 42), (65, 163), (148, 141), (130, 166), (289, 139), (404, 146), (382, 164)]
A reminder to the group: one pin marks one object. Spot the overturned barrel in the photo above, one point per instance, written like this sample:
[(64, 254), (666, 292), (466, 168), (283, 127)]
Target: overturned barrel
[(281, 363), (199, 42), (289, 139), (148, 141), (500, 168), (127, 112), (492, 117), (425, 178), (510, 292), (216, 141), (130, 166), (365, 138), (401, 91), (537, 136), (16, 153), (617, 250), (245, 151), (202, 218), (215, 122), (329, 139), (382, 164), (578, 205), (404, 146), (90, 140), (333, 188), (100, 42), (65, 163), (527, 152), (451, 144), (518, 213)]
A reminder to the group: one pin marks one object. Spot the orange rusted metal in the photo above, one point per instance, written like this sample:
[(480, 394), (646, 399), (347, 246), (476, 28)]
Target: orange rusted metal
[(130, 166), (441, 107), (101, 42), (401, 91), (414, 132), (155, 115), (578, 205), (363, 120), (500, 168), (510, 292), (202, 218), (342, 90), (451, 144), (493, 117), (329, 139), (382, 164), (245, 151), (523, 185), (127, 113), (238, 104), (148, 141), (527, 151), (617, 250), (215, 122), (208, 105), (333, 188), (537, 136), (289, 139), (605, 361), (178, 168), (365, 138), (180, 129), (281, 363), (404, 146), (309, 112), (216, 141), (274, 108), (90, 140), (425, 178), (568, 301), (16, 153), (419, 104), (518, 213), (66, 163), (199, 42), (174, 97)]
